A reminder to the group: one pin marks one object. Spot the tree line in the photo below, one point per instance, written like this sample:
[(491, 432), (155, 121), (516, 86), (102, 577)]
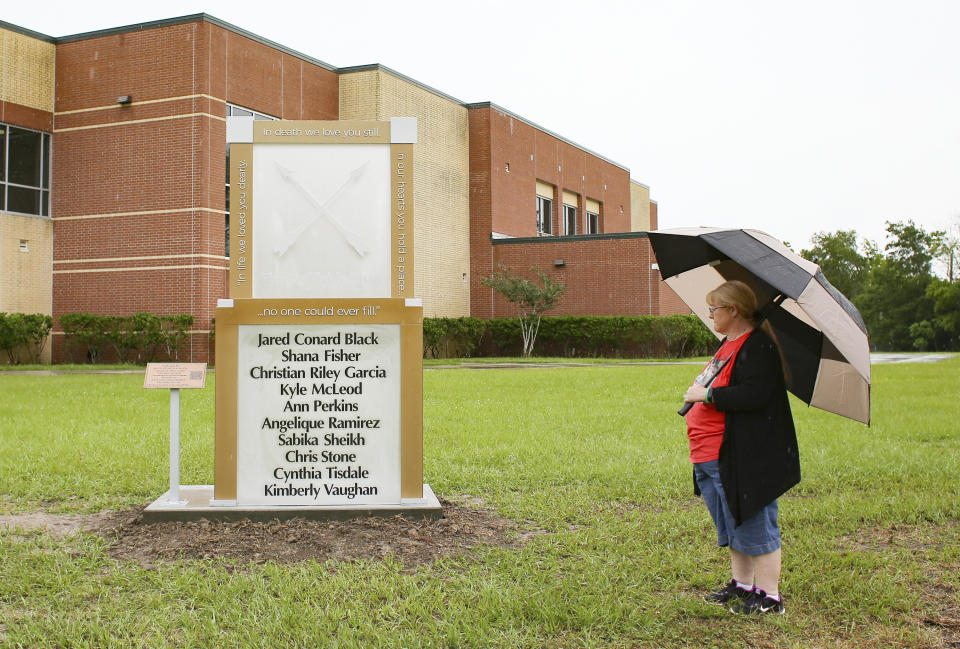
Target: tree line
[(905, 304)]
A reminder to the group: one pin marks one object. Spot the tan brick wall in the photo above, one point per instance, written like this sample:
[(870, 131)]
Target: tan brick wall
[(25, 277), (441, 181), (640, 219), (26, 70)]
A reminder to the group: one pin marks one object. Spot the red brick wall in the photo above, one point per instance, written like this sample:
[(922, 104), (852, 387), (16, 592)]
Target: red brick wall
[(603, 276), (141, 187), (256, 76), (670, 302), (556, 162), (19, 115), (507, 158), (481, 254)]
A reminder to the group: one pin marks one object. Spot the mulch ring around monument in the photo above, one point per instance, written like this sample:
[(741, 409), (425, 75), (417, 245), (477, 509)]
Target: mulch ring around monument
[(465, 525)]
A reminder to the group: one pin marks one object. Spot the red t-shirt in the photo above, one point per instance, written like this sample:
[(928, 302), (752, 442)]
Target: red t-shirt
[(705, 423)]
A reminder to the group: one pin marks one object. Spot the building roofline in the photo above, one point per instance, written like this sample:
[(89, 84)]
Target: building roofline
[(203, 17), (490, 104), (27, 32), (471, 106), (193, 18), (382, 68), (569, 238), (637, 182)]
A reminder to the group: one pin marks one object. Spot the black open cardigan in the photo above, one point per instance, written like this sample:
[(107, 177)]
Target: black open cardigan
[(759, 458)]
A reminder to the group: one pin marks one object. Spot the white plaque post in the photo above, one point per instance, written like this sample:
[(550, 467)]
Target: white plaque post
[(174, 493), (174, 376)]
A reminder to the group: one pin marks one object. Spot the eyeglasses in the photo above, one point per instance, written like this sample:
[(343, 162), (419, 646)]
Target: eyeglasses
[(714, 308)]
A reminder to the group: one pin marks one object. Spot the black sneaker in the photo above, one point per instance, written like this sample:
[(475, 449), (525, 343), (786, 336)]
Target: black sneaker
[(758, 603), (730, 592)]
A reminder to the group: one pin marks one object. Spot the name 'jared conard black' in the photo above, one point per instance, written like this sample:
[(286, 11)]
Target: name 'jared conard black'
[(349, 338)]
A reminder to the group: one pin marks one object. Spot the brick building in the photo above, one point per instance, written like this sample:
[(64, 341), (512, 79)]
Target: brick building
[(114, 165)]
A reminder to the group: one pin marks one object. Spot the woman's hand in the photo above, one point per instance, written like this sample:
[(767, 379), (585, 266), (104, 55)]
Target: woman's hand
[(695, 394)]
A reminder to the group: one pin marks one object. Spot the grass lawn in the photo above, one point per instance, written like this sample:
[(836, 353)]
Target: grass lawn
[(594, 456)]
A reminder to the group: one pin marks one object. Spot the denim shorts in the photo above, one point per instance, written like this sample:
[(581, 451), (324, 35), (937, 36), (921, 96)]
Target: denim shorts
[(759, 534)]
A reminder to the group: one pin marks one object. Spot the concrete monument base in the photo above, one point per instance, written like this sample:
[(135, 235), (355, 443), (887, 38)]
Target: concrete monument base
[(196, 502)]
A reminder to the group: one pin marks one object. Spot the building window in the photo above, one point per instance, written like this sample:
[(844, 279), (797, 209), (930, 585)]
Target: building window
[(544, 214), (593, 223), (569, 219), (24, 171), (571, 205), (236, 111)]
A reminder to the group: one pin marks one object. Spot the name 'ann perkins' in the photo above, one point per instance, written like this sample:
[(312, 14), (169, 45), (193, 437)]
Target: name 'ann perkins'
[(336, 405)]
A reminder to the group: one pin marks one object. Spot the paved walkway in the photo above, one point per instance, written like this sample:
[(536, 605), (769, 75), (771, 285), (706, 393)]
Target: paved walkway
[(547, 365), (903, 357), (875, 359)]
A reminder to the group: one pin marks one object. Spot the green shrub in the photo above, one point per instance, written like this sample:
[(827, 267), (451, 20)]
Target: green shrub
[(139, 338), (84, 336), (176, 330), (571, 336), (434, 332), (452, 337), (23, 336)]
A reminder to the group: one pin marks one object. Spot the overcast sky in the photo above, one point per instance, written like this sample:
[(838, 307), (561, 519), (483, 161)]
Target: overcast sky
[(789, 117)]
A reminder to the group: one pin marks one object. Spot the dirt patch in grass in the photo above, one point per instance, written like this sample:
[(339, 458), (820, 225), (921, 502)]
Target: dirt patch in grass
[(465, 524), (942, 606), (941, 601), (57, 525)]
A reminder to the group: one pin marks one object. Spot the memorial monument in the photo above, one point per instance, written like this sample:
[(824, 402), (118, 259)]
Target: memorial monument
[(319, 391)]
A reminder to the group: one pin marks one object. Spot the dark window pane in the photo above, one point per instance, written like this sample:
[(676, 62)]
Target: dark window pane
[(45, 204), (569, 219), (25, 157), (3, 156), (593, 223), (46, 161), (25, 201), (544, 214)]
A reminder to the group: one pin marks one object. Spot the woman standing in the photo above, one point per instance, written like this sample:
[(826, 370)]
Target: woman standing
[(744, 448)]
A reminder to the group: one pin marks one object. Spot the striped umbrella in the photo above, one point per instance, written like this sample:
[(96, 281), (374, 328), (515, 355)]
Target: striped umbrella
[(821, 334)]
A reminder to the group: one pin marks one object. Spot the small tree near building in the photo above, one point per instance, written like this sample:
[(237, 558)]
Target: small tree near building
[(532, 299)]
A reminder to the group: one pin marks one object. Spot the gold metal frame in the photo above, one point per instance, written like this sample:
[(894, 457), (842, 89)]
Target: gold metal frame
[(390, 311), (313, 132)]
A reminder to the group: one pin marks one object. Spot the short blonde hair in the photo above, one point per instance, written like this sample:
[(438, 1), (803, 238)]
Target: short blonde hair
[(737, 294)]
